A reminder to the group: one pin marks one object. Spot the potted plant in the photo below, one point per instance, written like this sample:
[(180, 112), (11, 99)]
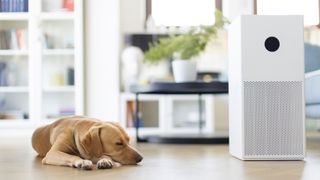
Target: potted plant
[(184, 48)]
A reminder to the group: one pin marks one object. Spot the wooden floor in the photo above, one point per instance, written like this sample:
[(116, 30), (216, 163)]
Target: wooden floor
[(19, 161)]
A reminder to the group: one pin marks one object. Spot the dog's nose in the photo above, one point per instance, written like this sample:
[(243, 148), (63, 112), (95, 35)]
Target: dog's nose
[(139, 159)]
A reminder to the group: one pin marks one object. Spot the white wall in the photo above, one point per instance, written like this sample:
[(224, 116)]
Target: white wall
[(102, 41), (105, 22), (132, 15), (233, 8)]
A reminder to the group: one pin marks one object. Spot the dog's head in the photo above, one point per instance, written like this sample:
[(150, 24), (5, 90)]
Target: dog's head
[(110, 139)]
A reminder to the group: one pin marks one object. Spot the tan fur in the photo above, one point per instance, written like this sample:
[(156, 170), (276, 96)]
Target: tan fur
[(81, 142)]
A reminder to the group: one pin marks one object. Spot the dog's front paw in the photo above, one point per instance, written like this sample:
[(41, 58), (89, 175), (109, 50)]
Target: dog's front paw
[(83, 164), (105, 164)]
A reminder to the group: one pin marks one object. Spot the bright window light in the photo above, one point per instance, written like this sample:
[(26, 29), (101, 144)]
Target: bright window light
[(308, 8), (183, 12)]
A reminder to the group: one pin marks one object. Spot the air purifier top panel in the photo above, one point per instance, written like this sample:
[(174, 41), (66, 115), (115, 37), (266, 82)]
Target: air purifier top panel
[(272, 48)]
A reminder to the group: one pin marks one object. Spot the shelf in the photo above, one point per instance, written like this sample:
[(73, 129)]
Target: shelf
[(16, 123), (13, 120), (14, 89), (50, 120), (11, 52), (14, 16), (53, 16), (57, 52), (59, 89), (38, 68)]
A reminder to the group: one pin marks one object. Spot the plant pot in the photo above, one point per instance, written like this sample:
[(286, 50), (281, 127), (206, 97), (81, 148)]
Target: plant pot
[(184, 70)]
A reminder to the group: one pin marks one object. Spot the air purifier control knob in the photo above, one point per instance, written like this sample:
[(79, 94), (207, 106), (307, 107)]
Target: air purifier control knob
[(272, 44)]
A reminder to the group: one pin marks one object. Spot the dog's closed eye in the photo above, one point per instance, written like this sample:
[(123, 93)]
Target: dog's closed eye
[(119, 143)]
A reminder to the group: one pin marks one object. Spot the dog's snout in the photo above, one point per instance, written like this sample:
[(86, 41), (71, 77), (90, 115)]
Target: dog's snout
[(139, 158)]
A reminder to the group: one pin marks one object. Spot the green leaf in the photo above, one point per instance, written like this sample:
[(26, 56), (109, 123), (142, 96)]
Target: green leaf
[(188, 45)]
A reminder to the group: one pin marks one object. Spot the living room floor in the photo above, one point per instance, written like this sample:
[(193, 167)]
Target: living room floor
[(19, 161)]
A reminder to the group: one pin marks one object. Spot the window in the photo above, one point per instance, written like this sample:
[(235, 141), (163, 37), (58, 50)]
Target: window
[(183, 12), (308, 8)]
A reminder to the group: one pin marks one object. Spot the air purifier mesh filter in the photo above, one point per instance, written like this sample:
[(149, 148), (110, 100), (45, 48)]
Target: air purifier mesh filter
[(273, 112)]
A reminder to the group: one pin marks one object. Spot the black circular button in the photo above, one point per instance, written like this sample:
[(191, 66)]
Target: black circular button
[(272, 44)]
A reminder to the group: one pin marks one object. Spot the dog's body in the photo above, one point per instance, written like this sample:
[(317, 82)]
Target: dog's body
[(80, 141)]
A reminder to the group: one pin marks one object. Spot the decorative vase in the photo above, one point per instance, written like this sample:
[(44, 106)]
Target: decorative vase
[(131, 59), (184, 70)]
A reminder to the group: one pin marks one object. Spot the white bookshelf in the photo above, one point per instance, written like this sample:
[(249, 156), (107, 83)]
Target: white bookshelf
[(57, 52), (54, 16), (14, 52), (16, 16), (50, 70), (59, 89), (18, 124), (13, 89)]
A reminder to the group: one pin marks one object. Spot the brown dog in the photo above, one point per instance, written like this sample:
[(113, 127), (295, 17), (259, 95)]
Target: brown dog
[(80, 141)]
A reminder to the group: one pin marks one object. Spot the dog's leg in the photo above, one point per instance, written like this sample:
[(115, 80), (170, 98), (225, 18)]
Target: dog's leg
[(63, 159), (58, 156), (106, 162)]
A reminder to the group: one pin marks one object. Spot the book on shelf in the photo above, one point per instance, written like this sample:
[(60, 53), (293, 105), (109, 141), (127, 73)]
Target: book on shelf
[(50, 41), (13, 114), (14, 5), (14, 39), (22, 38), (9, 74), (70, 76), (3, 74), (69, 111), (130, 114), (68, 5), (61, 78), (9, 113)]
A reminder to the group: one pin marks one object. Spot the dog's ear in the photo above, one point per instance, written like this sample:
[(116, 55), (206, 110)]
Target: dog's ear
[(123, 132), (91, 142)]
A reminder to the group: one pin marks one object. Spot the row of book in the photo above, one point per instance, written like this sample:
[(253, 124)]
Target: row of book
[(131, 115), (57, 5), (60, 78), (68, 5), (68, 111), (14, 39), (8, 74), (6, 113), (14, 5), (13, 114)]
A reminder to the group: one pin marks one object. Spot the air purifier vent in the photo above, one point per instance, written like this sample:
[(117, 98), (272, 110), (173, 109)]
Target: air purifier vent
[(272, 118)]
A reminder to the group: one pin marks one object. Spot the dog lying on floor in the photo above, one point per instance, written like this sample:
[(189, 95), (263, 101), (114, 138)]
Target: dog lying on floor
[(81, 142)]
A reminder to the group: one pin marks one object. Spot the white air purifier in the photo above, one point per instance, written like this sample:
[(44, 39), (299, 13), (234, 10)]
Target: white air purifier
[(266, 88)]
